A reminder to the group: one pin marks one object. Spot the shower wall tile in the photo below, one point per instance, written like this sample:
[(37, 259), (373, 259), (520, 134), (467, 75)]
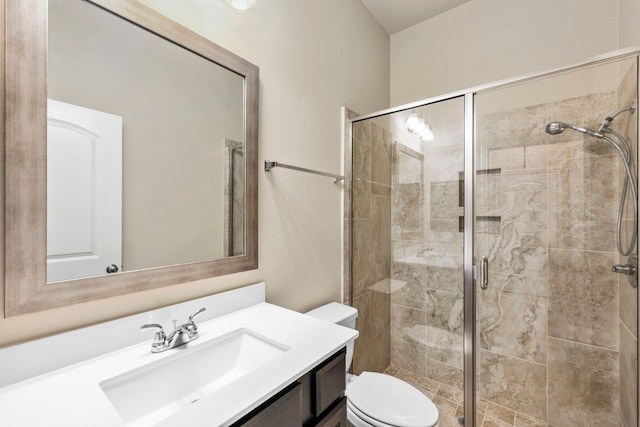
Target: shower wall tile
[(583, 203), (446, 374), (407, 201), (408, 338), (361, 178), (512, 318), (362, 130), (449, 279), (381, 155), (362, 263), (380, 310), (361, 205), (445, 311), (583, 386), (380, 358), (524, 125), (628, 376), (535, 157), (380, 189), (586, 111), (583, 298), (526, 214), (628, 303), (445, 347), (381, 228), (513, 383), (414, 293), (506, 158), (513, 253), (524, 181), (361, 351)]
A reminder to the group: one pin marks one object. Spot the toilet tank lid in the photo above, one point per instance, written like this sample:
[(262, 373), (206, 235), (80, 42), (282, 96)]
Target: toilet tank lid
[(335, 313)]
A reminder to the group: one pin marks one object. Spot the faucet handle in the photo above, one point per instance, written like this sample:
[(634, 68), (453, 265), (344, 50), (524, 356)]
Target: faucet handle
[(160, 338), (195, 314)]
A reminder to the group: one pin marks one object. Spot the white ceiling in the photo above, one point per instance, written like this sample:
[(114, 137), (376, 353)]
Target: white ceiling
[(396, 15)]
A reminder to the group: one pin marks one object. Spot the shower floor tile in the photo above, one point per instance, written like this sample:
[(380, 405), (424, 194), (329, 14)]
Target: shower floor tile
[(450, 403)]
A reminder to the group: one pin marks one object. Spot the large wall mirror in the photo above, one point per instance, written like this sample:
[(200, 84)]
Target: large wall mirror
[(131, 153)]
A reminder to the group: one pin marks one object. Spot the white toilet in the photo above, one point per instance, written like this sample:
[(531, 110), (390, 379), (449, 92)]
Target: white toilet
[(375, 399)]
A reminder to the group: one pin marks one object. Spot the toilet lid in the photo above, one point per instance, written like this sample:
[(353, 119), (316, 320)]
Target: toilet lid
[(391, 401)]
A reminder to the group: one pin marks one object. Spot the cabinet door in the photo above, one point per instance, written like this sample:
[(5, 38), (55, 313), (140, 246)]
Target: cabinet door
[(337, 417), (282, 411), (329, 383)]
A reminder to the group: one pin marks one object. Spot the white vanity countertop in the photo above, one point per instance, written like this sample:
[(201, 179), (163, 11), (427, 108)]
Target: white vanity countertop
[(72, 396)]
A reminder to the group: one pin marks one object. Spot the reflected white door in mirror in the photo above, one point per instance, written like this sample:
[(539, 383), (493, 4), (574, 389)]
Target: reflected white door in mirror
[(84, 192)]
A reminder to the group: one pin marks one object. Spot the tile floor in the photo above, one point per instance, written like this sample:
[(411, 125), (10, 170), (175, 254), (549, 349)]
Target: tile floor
[(449, 401)]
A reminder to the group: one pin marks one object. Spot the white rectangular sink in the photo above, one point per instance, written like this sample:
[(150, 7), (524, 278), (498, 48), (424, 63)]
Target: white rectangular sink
[(151, 393)]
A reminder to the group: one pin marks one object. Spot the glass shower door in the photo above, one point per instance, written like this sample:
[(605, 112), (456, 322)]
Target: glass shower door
[(556, 329), (407, 240)]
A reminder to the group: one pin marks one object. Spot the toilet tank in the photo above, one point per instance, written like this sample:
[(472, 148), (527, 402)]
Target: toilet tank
[(339, 314)]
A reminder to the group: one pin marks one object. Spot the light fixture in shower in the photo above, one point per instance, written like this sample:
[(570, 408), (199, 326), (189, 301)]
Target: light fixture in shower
[(242, 6), (418, 125)]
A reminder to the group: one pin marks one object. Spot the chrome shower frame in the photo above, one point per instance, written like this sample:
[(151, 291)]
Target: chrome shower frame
[(469, 219)]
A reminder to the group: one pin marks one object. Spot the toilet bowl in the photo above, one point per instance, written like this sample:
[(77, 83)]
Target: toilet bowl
[(375, 399)]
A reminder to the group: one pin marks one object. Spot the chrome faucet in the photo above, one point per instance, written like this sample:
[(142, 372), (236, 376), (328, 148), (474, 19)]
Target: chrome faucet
[(181, 334)]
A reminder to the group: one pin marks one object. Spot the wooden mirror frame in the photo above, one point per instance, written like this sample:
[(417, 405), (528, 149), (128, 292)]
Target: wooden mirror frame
[(24, 142)]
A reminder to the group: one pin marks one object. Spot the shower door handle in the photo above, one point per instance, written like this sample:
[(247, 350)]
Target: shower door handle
[(484, 273)]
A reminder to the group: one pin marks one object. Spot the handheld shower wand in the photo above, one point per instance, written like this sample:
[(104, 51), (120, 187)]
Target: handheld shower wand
[(556, 128)]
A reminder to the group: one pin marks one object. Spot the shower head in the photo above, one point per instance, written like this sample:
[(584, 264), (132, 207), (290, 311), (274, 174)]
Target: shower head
[(556, 128)]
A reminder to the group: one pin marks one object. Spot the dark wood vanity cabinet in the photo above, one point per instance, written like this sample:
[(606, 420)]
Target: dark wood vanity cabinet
[(315, 400)]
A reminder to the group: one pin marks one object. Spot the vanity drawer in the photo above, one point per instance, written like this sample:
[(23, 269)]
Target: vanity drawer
[(329, 382), (337, 417)]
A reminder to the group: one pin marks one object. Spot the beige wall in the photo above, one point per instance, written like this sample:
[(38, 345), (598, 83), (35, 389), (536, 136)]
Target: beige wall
[(487, 40), (629, 28), (314, 56)]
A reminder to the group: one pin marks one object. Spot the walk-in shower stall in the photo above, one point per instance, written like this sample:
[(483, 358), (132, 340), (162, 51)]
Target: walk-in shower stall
[(493, 246)]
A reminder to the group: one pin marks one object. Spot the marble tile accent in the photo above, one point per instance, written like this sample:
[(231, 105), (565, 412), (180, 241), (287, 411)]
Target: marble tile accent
[(583, 297), (583, 385), (445, 310), (512, 317), (513, 253), (628, 378), (513, 383)]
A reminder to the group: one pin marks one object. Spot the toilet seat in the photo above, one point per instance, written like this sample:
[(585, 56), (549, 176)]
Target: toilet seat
[(385, 401)]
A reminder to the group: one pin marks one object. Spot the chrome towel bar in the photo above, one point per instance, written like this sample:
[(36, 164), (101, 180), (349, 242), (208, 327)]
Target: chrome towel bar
[(268, 165)]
